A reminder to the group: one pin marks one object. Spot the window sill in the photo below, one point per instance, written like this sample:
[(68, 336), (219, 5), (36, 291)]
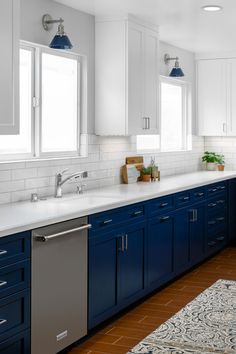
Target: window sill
[(41, 159)]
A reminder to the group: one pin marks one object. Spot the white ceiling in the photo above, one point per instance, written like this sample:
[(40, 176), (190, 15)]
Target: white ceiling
[(182, 22)]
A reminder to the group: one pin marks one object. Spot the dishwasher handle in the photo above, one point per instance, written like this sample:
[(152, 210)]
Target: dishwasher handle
[(42, 238)]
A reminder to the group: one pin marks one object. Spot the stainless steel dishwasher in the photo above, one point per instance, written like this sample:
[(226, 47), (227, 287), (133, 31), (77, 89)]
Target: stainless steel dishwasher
[(59, 285)]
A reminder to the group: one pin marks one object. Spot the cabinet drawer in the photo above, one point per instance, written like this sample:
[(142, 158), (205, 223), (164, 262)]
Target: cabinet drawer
[(14, 278), (218, 203), (18, 344), (161, 205), (216, 241), (216, 188), (14, 248), (182, 199), (14, 314), (198, 194), (216, 222), (105, 220)]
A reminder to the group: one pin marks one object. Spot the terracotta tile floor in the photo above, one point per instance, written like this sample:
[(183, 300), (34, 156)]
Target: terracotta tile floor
[(123, 333)]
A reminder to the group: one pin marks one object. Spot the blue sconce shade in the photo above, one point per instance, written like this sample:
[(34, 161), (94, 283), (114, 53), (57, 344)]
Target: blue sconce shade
[(61, 42), (176, 72)]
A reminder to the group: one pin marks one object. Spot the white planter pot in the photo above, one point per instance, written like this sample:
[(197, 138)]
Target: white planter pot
[(211, 166)]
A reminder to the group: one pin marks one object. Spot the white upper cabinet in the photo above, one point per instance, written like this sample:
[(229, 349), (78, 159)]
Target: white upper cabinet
[(216, 90), (127, 78), (9, 68)]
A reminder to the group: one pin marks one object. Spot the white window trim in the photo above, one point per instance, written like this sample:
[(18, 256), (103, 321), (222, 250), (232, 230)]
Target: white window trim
[(187, 112), (36, 151)]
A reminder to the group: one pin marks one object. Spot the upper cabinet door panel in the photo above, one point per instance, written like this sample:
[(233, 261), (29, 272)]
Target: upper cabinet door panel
[(151, 84), (135, 78), (9, 69), (231, 124), (212, 97)]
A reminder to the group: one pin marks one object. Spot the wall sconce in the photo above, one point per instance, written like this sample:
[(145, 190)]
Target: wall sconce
[(176, 71), (61, 40)]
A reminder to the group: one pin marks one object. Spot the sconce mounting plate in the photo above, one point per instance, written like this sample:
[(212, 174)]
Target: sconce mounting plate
[(47, 22)]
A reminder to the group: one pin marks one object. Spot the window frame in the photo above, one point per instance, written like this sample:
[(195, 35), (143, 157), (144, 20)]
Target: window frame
[(186, 114), (36, 109)]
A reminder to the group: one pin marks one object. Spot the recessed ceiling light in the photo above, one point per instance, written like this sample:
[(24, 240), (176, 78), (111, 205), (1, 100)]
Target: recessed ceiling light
[(212, 8)]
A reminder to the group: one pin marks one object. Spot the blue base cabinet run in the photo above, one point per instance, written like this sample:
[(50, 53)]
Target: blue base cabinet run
[(137, 249), (116, 270), (15, 293)]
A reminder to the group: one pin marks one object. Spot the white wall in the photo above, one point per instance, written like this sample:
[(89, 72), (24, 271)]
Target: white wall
[(225, 146), (105, 155)]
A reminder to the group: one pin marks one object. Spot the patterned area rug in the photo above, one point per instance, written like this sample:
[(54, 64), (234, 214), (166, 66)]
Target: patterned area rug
[(206, 325)]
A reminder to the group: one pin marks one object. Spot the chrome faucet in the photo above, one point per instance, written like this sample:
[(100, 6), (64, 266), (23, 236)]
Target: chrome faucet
[(60, 181)]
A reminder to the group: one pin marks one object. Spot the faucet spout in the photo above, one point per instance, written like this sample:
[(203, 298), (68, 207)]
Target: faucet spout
[(60, 181)]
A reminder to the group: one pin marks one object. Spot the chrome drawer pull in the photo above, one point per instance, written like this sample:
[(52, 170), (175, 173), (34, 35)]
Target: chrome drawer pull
[(212, 243), (3, 283), (42, 238), (212, 205), (3, 322), (165, 218), (213, 222), (162, 205), (3, 252), (220, 219), (136, 213), (220, 201), (105, 222), (199, 194), (185, 198), (126, 242), (122, 248), (221, 238)]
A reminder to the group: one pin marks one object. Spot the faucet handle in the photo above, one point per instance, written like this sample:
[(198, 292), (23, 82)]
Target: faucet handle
[(80, 188)]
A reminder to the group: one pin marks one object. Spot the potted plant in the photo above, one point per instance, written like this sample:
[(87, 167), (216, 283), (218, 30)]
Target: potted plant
[(210, 158), (146, 173), (220, 162)]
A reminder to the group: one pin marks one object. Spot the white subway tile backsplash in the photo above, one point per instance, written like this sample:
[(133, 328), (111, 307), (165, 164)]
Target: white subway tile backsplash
[(103, 163)]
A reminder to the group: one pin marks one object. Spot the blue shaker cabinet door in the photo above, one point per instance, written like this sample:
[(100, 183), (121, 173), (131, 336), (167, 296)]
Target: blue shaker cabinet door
[(181, 241), (102, 278), (131, 263), (159, 250), (197, 233)]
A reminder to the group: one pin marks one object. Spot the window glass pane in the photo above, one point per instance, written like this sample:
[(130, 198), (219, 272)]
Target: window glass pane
[(148, 142), (172, 117), (59, 103), (10, 144)]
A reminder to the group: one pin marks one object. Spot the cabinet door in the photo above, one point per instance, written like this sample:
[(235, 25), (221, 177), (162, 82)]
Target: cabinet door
[(136, 121), (102, 278), (212, 97), (231, 121), (181, 240), (159, 249), (197, 233), (131, 263), (232, 210), (151, 81), (9, 72)]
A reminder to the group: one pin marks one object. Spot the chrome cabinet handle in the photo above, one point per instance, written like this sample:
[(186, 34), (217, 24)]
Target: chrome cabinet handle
[(146, 123), (220, 238), (195, 215), (126, 242), (2, 322), (162, 205), (122, 248), (2, 252), (220, 219), (212, 243), (105, 222), (224, 127), (212, 205), (136, 213), (164, 218), (42, 238), (213, 222), (3, 283), (220, 201), (199, 194), (185, 198), (192, 218)]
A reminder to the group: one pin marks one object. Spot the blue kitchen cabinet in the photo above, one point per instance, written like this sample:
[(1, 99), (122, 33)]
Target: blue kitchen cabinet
[(197, 233), (232, 210), (159, 250), (131, 258), (116, 270), (181, 241), (18, 344)]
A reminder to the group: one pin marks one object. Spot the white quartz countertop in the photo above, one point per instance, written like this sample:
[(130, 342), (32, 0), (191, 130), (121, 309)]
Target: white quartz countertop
[(24, 216)]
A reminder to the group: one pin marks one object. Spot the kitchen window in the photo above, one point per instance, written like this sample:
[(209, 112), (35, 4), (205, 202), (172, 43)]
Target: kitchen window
[(49, 106), (175, 119)]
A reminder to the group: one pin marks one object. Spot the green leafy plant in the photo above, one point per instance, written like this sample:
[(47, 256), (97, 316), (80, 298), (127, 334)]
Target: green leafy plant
[(210, 157), (146, 170), (220, 159)]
